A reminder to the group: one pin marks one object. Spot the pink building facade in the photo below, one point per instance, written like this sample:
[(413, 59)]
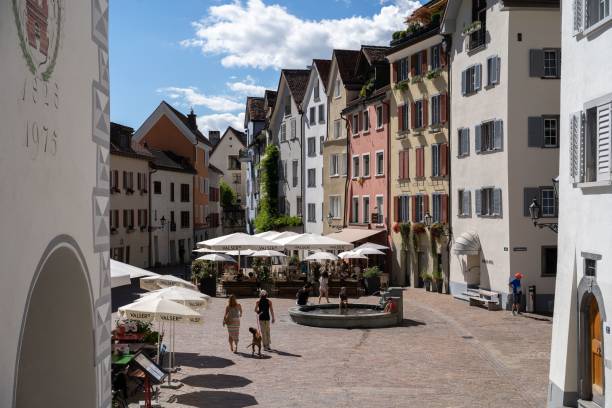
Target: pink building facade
[(368, 202)]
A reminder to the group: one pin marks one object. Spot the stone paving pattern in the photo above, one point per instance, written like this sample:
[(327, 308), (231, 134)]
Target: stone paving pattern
[(446, 354)]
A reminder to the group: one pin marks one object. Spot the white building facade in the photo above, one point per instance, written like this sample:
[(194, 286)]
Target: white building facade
[(286, 127), (54, 161), (581, 350), (504, 130), (315, 133), (171, 209)]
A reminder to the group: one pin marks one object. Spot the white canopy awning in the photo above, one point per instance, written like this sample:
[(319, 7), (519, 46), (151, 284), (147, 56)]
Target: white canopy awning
[(354, 234), (467, 244)]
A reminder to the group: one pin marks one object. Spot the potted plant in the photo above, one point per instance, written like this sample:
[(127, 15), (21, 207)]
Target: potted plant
[(396, 227), (402, 85), (472, 28), (427, 278), (206, 275), (437, 280), (418, 228), (371, 278)]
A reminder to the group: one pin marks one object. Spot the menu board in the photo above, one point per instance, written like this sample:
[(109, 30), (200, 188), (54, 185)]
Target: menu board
[(150, 368)]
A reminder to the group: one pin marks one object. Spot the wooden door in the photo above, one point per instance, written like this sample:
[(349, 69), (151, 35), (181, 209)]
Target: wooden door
[(596, 341)]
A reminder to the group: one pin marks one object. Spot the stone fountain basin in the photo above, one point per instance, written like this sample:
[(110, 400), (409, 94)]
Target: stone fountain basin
[(358, 316)]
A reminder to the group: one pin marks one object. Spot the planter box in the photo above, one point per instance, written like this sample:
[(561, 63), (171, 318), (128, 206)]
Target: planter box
[(246, 289), (208, 286), (372, 285)]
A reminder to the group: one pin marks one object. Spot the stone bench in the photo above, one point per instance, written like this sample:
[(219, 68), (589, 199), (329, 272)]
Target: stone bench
[(483, 297)]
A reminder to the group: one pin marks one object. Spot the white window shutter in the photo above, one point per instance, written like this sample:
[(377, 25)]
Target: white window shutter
[(498, 135), (497, 69), (477, 142), (578, 16), (478, 201), (603, 142), (575, 147), (464, 82), (582, 150)]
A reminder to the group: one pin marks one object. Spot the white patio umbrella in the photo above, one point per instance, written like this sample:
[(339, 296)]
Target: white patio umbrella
[(313, 241), (341, 255), (178, 289), (246, 252), (163, 281), (119, 277), (267, 253), (322, 256), (368, 251), (282, 235), (353, 255), (267, 234), (239, 241), (206, 251), (216, 258), (133, 271), (372, 245), (161, 310), (188, 298)]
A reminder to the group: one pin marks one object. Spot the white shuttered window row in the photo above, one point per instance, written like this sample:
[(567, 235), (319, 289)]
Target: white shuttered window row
[(488, 202)]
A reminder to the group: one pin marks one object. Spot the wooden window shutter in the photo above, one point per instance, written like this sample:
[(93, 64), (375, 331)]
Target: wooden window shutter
[(423, 62), (535, 131), (529, 194), (413, 114), (396, 208), (394, 71), (477, 137), (444, 208), (443, 112), (477, 77), (406, 163), (125, 218), (401, 165), (425, 110), (498, 135), (425, 206), (444, 159), (139, 217), (413, 208), (536, 63), (414, 60), (497, 203), (400, 118)]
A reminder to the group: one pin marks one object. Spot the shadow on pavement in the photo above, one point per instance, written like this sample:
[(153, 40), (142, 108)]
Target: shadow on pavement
[(197, 361), (216, 381), (284, 353), (218, 399), (411, 323), (255, 356)]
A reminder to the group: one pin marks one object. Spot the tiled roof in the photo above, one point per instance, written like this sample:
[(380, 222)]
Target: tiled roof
[(269, 99), (199, 136), (374, 53), (255, 108), (168, 160), (297, 81), (323, 67), (347, 61), (121, 142), (532, 3)]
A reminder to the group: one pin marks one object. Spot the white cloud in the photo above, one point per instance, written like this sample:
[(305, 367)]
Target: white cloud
[(255, 34), (191, 97), (220, 121), (246, 87)]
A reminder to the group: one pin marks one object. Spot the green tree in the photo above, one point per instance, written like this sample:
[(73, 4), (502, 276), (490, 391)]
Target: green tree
[(228, 195)]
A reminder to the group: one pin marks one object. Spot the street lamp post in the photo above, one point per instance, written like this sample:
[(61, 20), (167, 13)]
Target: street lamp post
[(536, 214)]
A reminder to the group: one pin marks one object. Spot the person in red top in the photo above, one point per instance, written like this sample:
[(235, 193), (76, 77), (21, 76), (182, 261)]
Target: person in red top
[(390, 306)]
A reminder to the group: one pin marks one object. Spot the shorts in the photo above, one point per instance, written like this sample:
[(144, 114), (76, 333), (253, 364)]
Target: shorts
[(516, 297)]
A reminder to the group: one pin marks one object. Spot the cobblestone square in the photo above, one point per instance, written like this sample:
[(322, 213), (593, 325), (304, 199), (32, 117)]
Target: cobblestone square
[(446, 354)]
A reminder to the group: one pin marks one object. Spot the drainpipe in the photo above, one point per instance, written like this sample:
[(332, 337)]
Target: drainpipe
[(447, 39), (150, 219), (346, 181), (387, 106)]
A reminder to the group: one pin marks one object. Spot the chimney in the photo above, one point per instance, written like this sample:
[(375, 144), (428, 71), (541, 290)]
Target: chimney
[(191, 121), (214, 136)]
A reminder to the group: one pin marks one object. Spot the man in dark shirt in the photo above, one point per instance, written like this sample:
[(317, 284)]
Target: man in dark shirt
[(515, 284), (303, 294)]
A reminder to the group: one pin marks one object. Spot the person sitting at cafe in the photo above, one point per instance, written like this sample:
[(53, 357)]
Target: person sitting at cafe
[(239, 276)]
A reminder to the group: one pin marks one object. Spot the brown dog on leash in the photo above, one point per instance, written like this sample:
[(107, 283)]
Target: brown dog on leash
[(256, 341)]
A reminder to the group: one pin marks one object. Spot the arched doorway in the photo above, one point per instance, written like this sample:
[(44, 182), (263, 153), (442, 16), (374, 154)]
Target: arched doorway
[(55, 366), (591, 350)]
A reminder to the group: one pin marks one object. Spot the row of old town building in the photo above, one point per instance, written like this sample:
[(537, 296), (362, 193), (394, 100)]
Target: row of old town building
[(447, 146)]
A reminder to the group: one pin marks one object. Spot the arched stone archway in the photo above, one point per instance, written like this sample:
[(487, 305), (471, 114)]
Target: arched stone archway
[(55, 362)]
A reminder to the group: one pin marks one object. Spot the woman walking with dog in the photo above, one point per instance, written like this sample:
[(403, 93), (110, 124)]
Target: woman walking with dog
[(233, 313), (264, 310)]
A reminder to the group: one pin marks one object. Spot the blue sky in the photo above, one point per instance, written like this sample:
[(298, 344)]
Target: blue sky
[(211, 54)]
